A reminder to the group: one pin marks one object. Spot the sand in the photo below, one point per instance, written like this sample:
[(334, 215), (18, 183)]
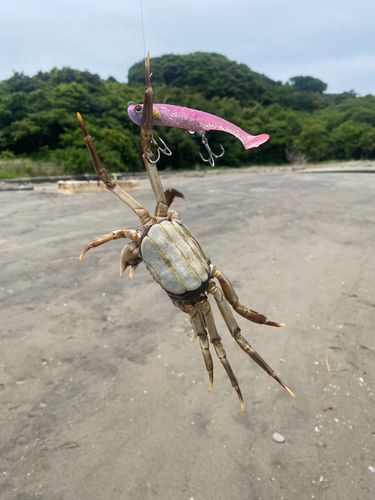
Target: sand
[(102, 395)]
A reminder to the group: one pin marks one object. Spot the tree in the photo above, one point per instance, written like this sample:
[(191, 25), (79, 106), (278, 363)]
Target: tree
[(308, 83), (367, 142), (314, 141), (38, 115)]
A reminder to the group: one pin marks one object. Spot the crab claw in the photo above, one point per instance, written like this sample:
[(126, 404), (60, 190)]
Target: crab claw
[(130, 257), (171, 194)]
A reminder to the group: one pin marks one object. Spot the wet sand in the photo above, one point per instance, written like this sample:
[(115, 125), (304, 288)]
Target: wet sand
[(104, 397)]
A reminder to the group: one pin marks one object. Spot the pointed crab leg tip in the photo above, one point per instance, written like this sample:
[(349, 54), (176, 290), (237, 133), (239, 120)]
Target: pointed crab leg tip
[(285, 387), (291, 393), (242, 404), (211, 375), (81, 256), (239, 394), (82, 124), (272, 323)]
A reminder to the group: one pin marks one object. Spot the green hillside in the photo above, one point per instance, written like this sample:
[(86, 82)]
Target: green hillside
[(38, 115)]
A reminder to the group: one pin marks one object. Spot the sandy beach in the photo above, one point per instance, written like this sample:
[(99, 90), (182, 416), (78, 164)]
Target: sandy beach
[(104, 397)]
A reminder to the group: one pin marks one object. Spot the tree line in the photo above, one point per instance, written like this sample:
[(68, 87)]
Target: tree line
[(38, 115)]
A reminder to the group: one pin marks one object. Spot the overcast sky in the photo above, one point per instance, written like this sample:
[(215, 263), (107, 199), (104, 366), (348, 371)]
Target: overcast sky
[(329, 39)]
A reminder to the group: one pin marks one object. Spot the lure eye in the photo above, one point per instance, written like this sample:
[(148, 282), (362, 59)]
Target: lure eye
[(138, 109)]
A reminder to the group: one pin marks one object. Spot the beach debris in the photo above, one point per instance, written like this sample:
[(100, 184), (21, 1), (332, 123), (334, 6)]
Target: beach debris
[(278, 438), (329, 369)]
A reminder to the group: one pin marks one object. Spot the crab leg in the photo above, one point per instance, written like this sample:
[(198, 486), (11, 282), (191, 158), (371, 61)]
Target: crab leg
[(114, 235), (147, 156), (111, 184), (236, 334), (200, 330), (205, 308), (232, 298)]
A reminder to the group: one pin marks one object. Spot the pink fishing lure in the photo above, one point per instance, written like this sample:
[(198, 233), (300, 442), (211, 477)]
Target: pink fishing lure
[(194, 120)]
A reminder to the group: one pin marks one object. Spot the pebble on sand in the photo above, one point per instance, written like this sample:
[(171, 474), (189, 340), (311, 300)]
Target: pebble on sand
[(278, 437)]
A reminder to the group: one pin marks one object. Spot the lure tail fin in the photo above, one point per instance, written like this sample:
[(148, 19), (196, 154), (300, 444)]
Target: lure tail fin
[(253, 141)]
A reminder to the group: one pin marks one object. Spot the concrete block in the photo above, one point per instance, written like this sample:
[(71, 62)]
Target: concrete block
[(78, 187)]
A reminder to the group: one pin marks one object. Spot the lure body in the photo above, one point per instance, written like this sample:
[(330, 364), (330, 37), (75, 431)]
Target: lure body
[(195, 121)]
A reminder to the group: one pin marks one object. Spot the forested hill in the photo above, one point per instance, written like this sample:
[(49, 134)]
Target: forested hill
[(38, 115)]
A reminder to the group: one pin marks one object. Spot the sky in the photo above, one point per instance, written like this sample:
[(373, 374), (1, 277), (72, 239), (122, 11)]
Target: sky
[(332, 40)]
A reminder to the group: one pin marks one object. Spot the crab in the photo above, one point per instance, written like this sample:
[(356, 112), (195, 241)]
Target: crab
[(176, 260)]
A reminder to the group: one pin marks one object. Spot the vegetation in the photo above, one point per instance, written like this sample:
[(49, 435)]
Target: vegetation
[(38, 115), (25, 167)]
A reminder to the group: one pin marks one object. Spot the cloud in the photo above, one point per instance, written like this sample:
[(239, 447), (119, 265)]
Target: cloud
[(351, 73), (332, 40)]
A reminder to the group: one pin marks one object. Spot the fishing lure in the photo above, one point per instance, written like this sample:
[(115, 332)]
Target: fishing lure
[(194, 121)]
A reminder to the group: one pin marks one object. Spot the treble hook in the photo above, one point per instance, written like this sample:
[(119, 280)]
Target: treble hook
[(211, 155), (165, 149)]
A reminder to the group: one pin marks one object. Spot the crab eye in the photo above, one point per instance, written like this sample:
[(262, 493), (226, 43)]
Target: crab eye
[(138, 109)]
